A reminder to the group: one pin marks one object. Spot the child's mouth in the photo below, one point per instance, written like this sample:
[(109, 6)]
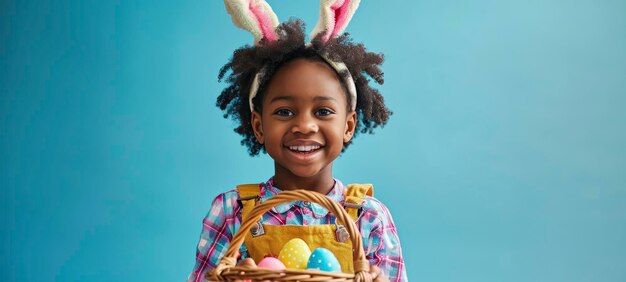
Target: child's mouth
[(304, 151)]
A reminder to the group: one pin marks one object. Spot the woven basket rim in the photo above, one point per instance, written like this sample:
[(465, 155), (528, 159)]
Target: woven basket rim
[(242, 269)]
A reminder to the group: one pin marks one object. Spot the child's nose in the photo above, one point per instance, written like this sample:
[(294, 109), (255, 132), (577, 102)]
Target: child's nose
[(304, 124)]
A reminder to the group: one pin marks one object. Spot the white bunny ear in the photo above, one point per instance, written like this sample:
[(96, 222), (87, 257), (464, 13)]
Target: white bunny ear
[(255, 16), (334, 17)]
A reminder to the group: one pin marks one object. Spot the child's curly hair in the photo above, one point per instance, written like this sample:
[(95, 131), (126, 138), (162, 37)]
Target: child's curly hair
[(248, 60)]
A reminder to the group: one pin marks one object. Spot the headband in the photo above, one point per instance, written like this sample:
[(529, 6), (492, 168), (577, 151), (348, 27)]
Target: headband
[(257, 17), (339, 67)]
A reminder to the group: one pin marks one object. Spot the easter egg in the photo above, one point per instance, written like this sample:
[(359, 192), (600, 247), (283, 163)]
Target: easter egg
[(271, 263), (295, 254), (324, 260)]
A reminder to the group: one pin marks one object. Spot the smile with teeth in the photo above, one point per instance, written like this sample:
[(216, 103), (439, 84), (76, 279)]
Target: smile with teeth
[(304, 149)]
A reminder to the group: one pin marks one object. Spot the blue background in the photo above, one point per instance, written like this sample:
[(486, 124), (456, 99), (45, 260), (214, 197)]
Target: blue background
[(505, 159)]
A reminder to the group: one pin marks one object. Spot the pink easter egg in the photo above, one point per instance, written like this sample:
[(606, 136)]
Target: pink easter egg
[(271, 263)]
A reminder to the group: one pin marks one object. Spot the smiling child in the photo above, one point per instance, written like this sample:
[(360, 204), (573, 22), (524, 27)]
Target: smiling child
[(302, 104)]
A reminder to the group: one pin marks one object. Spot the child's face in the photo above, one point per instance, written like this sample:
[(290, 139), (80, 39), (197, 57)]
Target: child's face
[(305, 119)]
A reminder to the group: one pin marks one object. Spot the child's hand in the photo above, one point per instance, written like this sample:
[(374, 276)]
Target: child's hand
[(376, 274)]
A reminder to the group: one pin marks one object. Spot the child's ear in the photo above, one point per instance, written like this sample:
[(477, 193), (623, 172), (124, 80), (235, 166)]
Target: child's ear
[(350, 126), (257, 126)]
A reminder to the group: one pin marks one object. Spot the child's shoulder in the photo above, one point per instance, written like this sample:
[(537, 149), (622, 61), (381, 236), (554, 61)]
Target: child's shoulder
[(373, 209), (374, 205), (229, 200), (227, 195), (226, 200), (233, 194)]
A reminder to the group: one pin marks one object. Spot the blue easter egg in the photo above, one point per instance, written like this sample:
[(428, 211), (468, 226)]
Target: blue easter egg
[(324, 260)]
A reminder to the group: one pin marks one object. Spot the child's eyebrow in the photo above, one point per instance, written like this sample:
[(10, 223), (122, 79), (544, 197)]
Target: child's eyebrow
[(278, 98), (324, 98)]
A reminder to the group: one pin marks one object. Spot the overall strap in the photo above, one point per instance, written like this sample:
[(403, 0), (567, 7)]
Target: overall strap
[(249, 195), (355, 196)]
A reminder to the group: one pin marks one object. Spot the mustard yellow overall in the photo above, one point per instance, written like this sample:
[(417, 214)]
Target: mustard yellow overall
[(273, 237)]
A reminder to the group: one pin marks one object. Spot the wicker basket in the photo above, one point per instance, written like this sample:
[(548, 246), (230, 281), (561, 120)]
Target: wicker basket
[(227, 270)]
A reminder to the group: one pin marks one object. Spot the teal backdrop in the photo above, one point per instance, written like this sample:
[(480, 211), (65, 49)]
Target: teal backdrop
[(504, 160)]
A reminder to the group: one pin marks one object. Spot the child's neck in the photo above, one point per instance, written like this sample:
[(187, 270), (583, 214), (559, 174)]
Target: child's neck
[(322, 182)]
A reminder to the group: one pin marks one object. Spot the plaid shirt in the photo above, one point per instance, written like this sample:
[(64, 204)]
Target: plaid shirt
[(380, 239)]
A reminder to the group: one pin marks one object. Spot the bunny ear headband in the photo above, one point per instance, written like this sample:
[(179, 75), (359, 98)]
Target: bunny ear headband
[(257, 17)]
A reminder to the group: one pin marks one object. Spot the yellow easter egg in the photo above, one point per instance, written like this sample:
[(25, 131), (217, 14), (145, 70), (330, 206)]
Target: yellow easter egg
[(295, 254)]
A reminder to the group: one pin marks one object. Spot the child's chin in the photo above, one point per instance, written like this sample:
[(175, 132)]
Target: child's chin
[(305, 173)]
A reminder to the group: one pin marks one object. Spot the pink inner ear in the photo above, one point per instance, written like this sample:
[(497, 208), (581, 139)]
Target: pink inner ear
[(264, 22), (341, 16)]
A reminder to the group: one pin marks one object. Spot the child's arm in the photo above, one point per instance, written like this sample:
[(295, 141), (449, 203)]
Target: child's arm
[(383, 246), (218, 228)]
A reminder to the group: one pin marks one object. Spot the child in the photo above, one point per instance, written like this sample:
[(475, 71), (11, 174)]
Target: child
[(302, 104)]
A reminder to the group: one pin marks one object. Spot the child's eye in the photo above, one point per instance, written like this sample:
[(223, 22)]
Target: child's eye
[(324, 112), (283, 113)]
